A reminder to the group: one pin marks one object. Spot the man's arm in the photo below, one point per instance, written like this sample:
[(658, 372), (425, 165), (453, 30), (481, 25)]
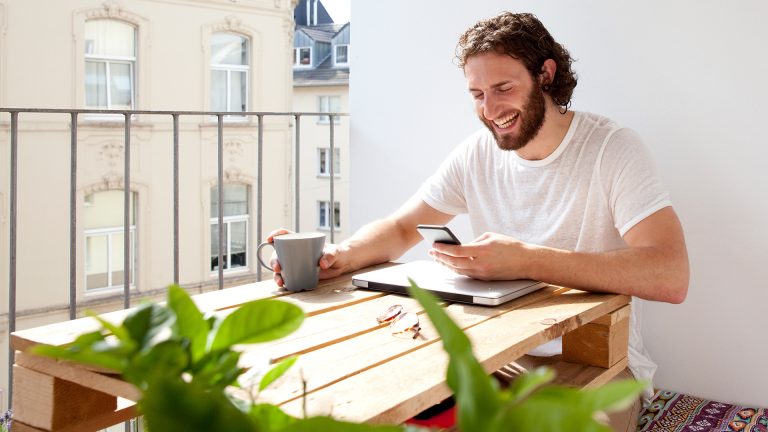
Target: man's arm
[(377, 242), (653, 267)]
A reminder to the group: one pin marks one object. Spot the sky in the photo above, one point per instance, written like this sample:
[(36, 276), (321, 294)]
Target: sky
[(338, 10)]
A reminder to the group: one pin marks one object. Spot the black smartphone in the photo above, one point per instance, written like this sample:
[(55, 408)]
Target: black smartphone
[(438, 234)]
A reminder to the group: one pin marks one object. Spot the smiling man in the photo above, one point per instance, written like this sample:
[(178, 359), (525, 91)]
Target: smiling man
[(569, 198)]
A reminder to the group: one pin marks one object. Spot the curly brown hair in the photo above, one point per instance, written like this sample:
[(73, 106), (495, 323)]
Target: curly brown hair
[(521, 36)]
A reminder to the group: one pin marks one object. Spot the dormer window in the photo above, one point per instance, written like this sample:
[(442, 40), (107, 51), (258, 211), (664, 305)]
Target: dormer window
[(302, 57), (341, 55)]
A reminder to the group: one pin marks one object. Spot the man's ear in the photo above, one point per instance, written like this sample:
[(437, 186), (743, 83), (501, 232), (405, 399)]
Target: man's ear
[(547, 74)]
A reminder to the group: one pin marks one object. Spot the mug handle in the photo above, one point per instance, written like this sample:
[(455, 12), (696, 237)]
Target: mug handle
[(258, 255)]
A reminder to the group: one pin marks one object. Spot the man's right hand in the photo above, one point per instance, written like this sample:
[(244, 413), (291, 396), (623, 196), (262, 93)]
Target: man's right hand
[(334, 261)]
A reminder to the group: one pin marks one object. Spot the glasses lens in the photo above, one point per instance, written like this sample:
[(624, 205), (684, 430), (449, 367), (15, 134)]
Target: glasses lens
[(406, 323), (389, 314)]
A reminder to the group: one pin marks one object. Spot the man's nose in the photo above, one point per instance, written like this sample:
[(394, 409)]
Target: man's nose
[(490, 107)]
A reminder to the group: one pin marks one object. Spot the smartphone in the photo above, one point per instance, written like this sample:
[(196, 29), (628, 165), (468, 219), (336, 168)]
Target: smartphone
[(438, 234)]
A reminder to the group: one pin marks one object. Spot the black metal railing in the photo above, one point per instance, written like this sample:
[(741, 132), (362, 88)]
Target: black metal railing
[(127, 117)]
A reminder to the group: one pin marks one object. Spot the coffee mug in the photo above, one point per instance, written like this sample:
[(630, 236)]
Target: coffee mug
[(299, 255)]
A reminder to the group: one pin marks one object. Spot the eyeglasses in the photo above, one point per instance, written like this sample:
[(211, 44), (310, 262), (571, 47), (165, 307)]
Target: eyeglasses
[(401, 323)]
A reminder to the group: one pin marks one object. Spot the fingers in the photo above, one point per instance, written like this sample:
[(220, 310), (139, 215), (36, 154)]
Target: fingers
[(275, 233), (456, 263)]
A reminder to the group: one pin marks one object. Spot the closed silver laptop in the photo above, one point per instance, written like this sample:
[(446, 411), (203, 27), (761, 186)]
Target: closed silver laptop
[(444, 283)]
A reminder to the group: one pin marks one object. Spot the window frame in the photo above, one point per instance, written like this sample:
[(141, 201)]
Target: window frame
[(213, 223), (229, 68), (297, 56), (323, 208), (109, 233), (336, 160), (132, 62), (324, 120), (335, 55)]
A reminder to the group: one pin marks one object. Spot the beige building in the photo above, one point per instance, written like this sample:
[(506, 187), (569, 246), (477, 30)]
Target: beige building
[(191, 55), (321, 84)]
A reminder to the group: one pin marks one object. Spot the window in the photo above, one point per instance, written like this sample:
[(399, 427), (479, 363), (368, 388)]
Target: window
[(324, 219), (235, 251), (323, 162), (229, 72), (302, 56), (104, 240), (341, 55), (110, 64), (329, 104)]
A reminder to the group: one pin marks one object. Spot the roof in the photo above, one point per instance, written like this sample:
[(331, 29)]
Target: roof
[(323, 75), (321, 33)]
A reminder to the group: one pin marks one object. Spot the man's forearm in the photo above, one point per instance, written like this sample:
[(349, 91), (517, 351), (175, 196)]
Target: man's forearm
[(377, 242), (651, 273)]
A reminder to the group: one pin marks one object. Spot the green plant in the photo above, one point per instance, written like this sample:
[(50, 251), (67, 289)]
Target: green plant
[(182, 363)]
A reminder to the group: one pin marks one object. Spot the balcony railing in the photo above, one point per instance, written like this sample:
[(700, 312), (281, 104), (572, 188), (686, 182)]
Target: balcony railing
[(127, 117)]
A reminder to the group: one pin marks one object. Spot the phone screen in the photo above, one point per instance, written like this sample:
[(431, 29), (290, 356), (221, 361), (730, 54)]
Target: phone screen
[(438, 234)]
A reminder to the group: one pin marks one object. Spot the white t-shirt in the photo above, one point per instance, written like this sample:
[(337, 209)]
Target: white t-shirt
[(597, 184)]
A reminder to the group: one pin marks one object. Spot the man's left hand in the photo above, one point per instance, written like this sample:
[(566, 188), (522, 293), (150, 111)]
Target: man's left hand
[(491, 256)]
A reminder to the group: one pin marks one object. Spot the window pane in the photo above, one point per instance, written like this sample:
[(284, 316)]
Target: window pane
[(237, 91), (116, 257), (105, 210), (110, 38), (323, 220), (235, 200), (336, 161), (341, 54), (96, 260), (323, 163), (238, 239), (334, 104), (121, 85), (218, 90), (215, 246), (305, 56), (96, 84), (336, 215), (227, 48)]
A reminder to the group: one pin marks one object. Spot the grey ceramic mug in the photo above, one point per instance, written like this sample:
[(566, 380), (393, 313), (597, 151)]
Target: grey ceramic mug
[(299, 255)]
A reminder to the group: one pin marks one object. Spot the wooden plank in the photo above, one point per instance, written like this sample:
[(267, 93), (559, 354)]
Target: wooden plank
[(570, 374), (126, 410), (109, 384), (421, 374), (351, 353), (50, 403), (600, 343)]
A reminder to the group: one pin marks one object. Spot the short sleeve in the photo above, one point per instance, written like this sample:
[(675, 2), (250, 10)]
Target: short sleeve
[(445, 189), (630, 180)]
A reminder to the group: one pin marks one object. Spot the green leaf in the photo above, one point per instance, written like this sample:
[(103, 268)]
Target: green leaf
[(476, 393), (119, 331), (614, 396), (169, 358), (528, 382), (108, 356), (277, 371), (256, 321), (551, 409), (189, 320), (146, 322), (270, 417), (217, 369), (171, 404)]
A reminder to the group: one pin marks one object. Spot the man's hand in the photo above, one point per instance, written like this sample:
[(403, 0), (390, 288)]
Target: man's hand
[(491, 256), (332, 263)]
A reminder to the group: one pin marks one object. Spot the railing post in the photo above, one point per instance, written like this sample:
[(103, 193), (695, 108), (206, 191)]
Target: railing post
[(332, 212), (127, 216), (259, 184), (73, 218), (175, 198), (296, 176), (220, 188), (12, 247)]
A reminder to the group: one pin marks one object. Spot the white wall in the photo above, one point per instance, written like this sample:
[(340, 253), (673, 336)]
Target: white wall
[(687, 75)]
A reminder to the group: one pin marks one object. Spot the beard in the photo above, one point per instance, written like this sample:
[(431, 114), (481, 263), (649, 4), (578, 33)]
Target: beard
[(531, 119)]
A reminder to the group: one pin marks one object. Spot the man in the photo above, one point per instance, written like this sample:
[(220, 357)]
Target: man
[(569, 198)]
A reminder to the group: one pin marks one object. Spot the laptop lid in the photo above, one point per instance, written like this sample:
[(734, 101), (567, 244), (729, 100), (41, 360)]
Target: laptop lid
[(444, 283)]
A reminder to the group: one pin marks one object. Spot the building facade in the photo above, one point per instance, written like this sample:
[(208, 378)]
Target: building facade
[(190, 55), (321, 68)]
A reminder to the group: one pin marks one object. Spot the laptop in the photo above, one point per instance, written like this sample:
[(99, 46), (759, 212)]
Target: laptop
[(445, 284)]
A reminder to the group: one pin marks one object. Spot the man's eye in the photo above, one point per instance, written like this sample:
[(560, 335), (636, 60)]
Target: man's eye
[(477, 95)]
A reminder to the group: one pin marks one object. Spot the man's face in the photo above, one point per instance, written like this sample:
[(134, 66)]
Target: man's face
[(509, 102)]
